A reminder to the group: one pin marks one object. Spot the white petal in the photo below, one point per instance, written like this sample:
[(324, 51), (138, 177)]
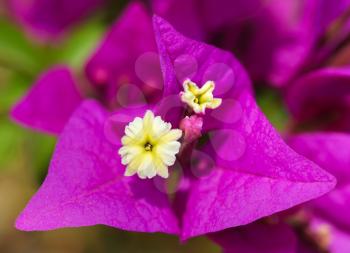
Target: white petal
[(168, 158), (172, 135), (129, 172), (147, 166), (148, 121), (163, 172), (134, 128), (160, 127)]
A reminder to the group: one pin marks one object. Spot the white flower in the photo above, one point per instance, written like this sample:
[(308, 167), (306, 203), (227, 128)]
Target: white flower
[(149, 146)]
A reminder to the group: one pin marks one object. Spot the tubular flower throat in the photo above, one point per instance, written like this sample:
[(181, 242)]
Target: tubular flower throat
[(149, 146), (199, 98)]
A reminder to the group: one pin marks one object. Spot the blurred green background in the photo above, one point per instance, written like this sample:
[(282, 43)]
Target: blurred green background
[(25, 154)]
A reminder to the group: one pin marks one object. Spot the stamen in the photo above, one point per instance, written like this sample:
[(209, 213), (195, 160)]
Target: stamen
[(148, 147)]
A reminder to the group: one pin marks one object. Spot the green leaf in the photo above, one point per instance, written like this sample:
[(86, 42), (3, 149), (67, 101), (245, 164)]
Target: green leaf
[(11, 141), (12, 87), (39, 149), (17, 51), (271, 103), (75, 50)]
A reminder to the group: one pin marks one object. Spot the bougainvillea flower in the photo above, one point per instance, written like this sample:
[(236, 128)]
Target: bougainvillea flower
[(273, 39), (233, 168), (51, 18), (258, 237), (112, 66), (323, 96)]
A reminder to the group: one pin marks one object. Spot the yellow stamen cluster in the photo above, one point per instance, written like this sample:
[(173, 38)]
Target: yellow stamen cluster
[(149, 146), (199, 98)]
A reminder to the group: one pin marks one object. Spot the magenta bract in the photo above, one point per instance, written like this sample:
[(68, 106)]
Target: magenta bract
[(250, 167)]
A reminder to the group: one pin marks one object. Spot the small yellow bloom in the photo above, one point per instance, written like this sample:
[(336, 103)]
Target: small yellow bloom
[(199, 98), (149, 146)]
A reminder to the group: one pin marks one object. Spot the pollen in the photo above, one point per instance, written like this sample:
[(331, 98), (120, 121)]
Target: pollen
[(199, 98), (149, 146)]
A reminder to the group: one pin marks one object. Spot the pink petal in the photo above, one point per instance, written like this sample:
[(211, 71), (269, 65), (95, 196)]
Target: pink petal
[(303, 24), (175, 10), (329, 150), (229, 198), (50, 18), (85, 184), (332, 152), (274, 39), (255, 175), (127, 56), (211, 63), (183, 58), (334, 206), (318, 92), (50, 102), (252, 167)]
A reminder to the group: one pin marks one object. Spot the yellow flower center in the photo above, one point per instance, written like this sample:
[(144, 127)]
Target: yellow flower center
[(199, 98), (149, 146)]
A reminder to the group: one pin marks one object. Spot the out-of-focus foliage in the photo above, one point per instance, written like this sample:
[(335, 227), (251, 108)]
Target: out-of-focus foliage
[(270, 102), (17, 52)]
